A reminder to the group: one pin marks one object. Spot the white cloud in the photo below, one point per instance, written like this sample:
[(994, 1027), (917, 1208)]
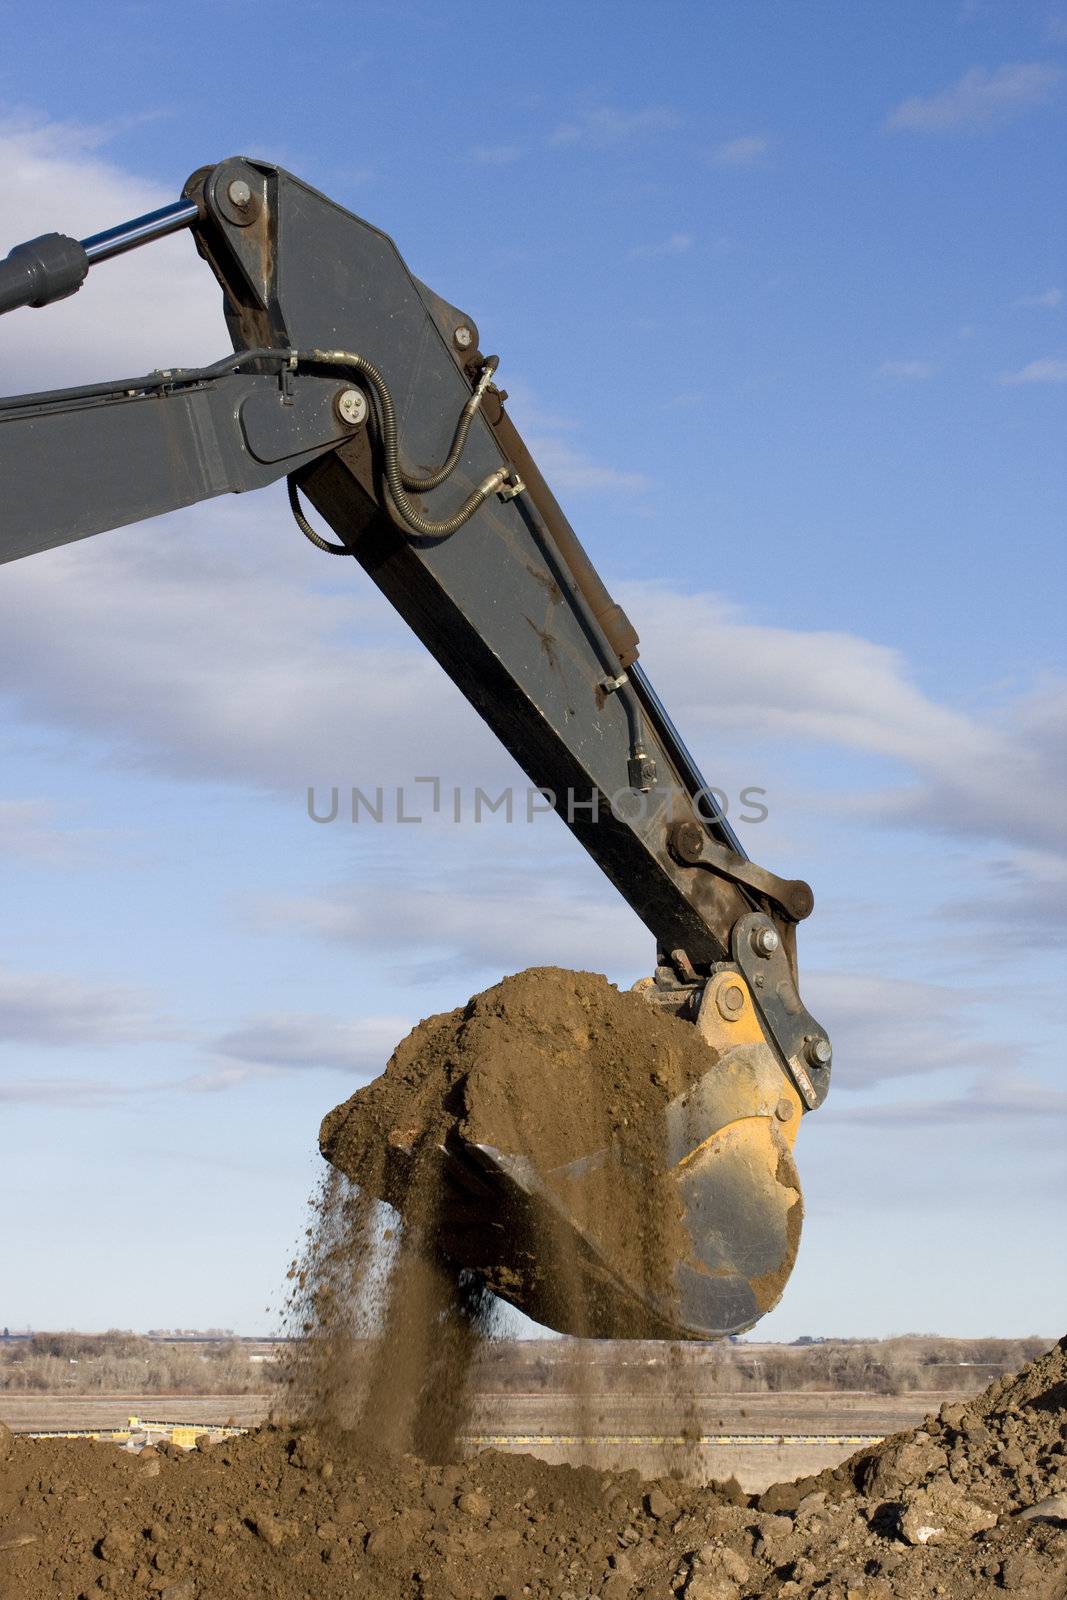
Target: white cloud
[(154, 307), (603, 127), (1000, 775), (979, 99), (298, 1041), (470, 922), (747, 151), (906, 369), (675, 244), (216, 645), (51, 1009), (994, 1098), (1049, 369), (886, 1028), (187, 649), (63, 1094), (1024, 891), (1049, 300), (568, 468)]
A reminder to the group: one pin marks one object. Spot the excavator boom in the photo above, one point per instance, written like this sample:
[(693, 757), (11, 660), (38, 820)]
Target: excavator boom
[(370, 395)]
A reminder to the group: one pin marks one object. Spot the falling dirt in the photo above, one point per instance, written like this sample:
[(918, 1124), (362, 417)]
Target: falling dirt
[(568, 1080), (970, 1505)]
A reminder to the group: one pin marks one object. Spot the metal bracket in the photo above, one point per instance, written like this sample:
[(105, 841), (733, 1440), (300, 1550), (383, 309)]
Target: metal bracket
[(803, 1044), (514, 486), (278, 425), (691, 844)]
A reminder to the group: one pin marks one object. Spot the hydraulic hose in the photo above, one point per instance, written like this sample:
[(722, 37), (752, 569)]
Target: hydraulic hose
[(459, 439), (406, 513)]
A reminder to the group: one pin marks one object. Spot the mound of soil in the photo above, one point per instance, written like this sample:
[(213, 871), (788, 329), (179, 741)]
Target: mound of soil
[(970, 1505)]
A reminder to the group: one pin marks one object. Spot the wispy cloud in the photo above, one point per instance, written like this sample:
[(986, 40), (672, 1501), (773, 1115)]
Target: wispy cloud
[(62, 1094), (1024, 891), (675, 244), (748, 151), (906, 369), (838, 688), (1049, 369), (52, 1009), (296, 1041), (495, 155), (563, 461), (1050, 300), (571, 469), (980, 99), (887, 1028), (28, 832), (606, 126), (995, 1097), (470, 921)]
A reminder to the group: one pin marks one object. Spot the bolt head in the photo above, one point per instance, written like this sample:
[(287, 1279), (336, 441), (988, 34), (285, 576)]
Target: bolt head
[(463, 336), (687, 841), (351, 407), (730, 1001), (239, 194), (819, 1052), (765, 941), (784, 1109)]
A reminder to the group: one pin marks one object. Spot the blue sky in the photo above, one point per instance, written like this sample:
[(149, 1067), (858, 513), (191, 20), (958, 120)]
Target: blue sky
[(780, 295)]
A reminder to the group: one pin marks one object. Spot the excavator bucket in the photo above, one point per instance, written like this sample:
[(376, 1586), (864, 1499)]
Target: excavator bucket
[(696, 1241)]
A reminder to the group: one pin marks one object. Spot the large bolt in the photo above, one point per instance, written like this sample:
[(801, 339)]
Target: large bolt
[(819, 1051), (351, 407), (239, 194), (784, 1109), (686, 841), (463, 336), (765, 941), (730, 1001)]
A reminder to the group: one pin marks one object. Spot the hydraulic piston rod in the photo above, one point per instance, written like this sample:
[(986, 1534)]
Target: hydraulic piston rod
[(54, 265), (142, 230)]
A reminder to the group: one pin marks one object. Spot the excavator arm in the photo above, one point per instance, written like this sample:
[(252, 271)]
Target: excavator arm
[(370, 395)]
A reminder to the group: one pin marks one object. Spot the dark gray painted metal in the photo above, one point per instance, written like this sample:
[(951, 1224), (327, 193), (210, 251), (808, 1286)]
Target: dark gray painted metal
[(489, 603), (710, 813), (77, 467)]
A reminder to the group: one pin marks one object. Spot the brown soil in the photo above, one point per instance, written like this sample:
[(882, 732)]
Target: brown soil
[(283, 1514), (560, 1070)]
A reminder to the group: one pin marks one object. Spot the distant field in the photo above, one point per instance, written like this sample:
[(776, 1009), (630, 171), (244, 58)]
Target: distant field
[(618, 1432), (129, 1363)]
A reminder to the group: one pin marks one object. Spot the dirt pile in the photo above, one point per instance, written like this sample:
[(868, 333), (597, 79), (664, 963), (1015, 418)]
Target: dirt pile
[(945, 1510), (565, 1082)]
